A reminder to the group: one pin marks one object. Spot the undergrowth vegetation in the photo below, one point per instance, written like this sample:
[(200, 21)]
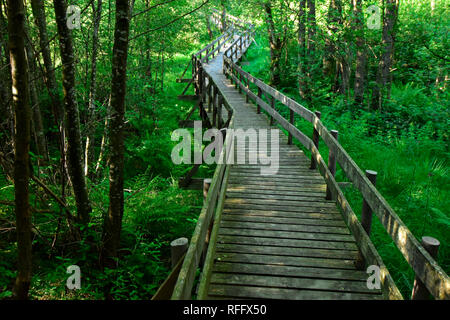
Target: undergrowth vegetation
[(156, 211)]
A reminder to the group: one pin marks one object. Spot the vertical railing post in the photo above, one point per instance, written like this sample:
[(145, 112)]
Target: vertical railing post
[(240, 44), (248, 88), (291, 121), (240, 79), (219, 112), (420, 291), (194, 74), (272, 105), (199, 77), (332, 162), (258, 107), (210, 94), (315, 139), (177, 248), (366, 213), (366, 219), (214, 115), (206, 185)]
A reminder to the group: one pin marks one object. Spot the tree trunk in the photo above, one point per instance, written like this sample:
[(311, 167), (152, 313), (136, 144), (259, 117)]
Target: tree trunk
[(38, 127), (6, 124), (74, 149), (38, 9), (276, 46), (310, 58), (302, 49), (99, 165), (208, 27), (92, 120), (334, 19), (382, 87), (113, 220), (223, 25), (361, 55), (22, 113)]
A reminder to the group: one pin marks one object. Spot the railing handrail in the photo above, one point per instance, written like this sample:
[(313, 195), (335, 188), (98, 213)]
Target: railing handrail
[(184, 284), (242, 24), (186, 276), (423, 264), (211, 44)]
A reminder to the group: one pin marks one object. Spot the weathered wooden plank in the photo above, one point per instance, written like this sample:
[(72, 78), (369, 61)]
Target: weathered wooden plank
[(258, 218), (284, 227), (286, 251), (281, 270), (335, 215), (294, 243), (280, 177), (281, 171), (278, 260), (274, 203), (292, 283), (280, 188), (296, 208), (250, 191), (286, 234), (269, 179), (281, 197), (285, 294)]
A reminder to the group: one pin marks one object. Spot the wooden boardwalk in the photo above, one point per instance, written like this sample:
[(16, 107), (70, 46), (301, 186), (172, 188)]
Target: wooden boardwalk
[(278, 237)]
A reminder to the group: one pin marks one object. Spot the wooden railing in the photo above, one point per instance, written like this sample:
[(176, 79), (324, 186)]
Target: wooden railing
[(212, 204), (216, 17), (202, 56), (206, 227), (423, 264)]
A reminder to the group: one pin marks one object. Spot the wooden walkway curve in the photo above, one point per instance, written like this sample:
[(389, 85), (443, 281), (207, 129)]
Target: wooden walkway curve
[(278, 236)]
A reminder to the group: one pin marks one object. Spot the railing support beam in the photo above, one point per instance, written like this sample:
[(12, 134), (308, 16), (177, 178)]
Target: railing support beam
[(315, 139), (332, 162), (366, 219), (420, 291)]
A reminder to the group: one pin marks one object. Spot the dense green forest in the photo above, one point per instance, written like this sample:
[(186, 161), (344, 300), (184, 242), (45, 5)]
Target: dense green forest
[(88, 107)]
